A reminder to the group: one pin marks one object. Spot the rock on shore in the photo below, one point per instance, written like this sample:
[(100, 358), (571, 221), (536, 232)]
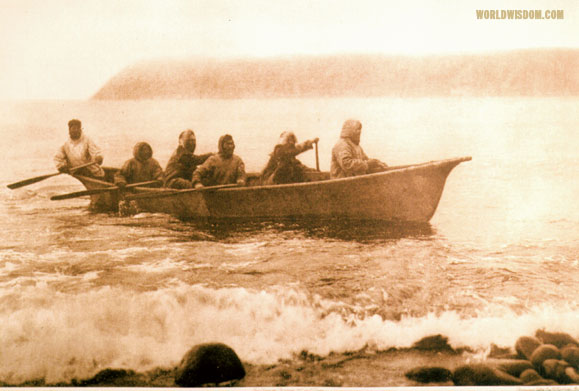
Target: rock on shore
[(544, 359), (209, 363), (431, 360)]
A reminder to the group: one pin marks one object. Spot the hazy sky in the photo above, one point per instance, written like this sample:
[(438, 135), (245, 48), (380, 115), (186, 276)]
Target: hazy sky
[(67, 49)]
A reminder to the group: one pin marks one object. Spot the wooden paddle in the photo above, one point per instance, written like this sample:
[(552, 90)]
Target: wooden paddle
[(162, 194), (99, 191), (30, 181)]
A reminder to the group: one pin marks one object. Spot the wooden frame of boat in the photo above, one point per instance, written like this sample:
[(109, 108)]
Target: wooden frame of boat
[(401, 194)]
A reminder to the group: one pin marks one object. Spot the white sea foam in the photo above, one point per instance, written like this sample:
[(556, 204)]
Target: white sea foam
[(243, 248), (58, 336), (159, 266), (235, 266)]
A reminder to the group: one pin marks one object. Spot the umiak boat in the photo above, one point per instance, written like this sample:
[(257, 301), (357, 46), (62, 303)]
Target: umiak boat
[(401, 194)]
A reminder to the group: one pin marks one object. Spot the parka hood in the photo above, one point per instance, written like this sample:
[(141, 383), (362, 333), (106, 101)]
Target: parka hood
[(142, 151), (350, 128), (287, 138), (222, 140)]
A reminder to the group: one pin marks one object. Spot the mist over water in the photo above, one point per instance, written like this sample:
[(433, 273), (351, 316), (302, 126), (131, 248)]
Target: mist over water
[(80, 292)]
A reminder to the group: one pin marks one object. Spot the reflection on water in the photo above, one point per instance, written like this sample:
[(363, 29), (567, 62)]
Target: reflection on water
[(363, 231)]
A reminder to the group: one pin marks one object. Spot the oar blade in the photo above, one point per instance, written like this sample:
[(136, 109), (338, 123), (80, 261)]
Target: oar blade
[(30, 181)]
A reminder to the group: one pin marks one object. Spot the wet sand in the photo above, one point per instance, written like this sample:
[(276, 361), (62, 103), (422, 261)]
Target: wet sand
[(357, 369)]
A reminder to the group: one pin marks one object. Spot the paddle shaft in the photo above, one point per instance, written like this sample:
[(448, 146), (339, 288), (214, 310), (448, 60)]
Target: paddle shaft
[(98, 191), (317, 158), (177, 192), (30, 181)]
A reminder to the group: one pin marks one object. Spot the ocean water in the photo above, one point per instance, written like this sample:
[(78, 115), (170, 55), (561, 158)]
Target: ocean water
[(80, 292)]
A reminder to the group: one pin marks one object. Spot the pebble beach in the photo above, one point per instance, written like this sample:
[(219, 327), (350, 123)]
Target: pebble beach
[(546, 359)]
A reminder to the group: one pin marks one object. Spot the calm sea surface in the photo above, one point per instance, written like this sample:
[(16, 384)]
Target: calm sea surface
[(80, 292)]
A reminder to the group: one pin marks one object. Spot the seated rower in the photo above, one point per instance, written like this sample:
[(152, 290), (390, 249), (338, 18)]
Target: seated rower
[(348, 157), (141, 168), (183, 162), (222, 168), (283, 166)]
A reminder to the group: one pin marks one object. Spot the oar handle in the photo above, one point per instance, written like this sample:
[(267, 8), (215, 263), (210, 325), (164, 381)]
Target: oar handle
[(81, 166)]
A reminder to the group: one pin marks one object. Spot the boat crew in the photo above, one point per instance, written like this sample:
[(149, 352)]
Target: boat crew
[(283, 166), (79, 150), (183, 162), (141, 168), (348, 157), (222, 168)]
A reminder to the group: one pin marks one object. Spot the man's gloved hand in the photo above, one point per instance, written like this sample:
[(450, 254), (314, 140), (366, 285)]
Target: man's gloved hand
[(121, 185)]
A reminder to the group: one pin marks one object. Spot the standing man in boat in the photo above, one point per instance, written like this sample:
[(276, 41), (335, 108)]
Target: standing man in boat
[(221, 169), (283, 166), (78, 150), (183, 162), (348, 157)]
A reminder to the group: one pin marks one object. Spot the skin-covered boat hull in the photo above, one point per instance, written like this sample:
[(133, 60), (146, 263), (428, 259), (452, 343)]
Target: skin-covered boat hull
[(409, 194)]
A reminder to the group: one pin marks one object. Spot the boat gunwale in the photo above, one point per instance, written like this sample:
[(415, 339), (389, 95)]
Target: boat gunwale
[(299, 184)]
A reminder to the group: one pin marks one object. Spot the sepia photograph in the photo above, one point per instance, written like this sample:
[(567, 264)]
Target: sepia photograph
[(283, 194)]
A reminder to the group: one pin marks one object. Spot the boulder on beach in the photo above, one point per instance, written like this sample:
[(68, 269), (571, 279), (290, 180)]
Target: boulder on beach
[(560, 340), (434, 343), (560, 371), (525, 346), (429, 374), (571, 375), (555, 369), (530, 375), (512, 367), (571, 355), (209, 363), (542, 353), (502, 352), (111, 377), (482, 375)]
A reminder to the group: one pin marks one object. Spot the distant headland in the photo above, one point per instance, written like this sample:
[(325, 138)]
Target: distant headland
[(532, 72)]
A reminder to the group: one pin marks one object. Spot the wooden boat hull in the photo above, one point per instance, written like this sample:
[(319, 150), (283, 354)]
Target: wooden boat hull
[(404, 194)]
